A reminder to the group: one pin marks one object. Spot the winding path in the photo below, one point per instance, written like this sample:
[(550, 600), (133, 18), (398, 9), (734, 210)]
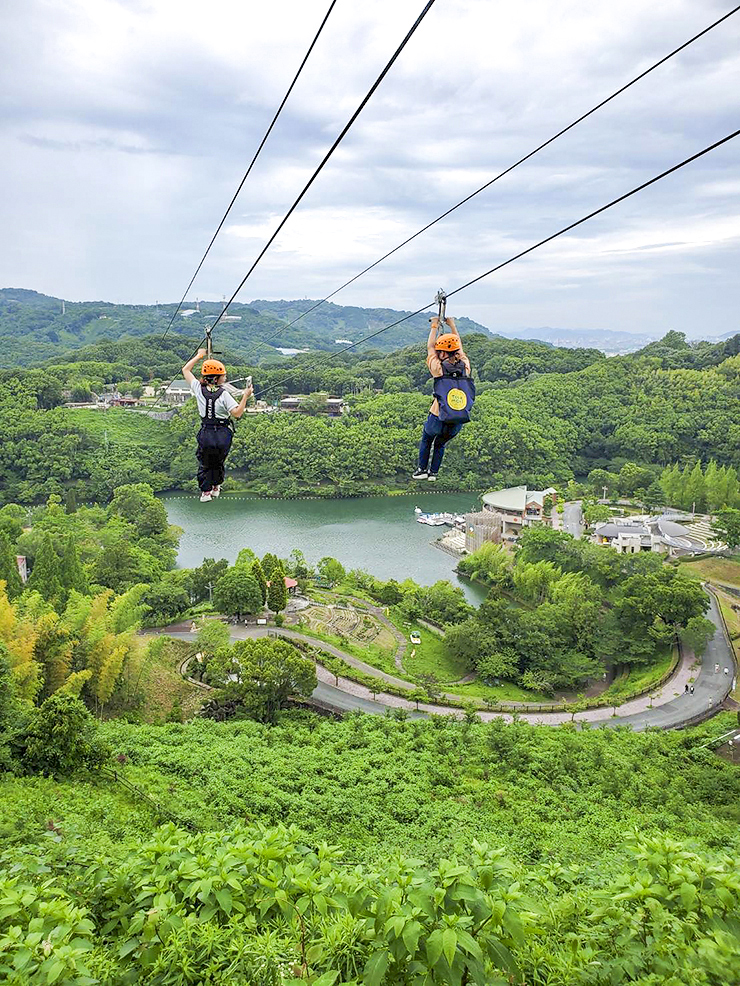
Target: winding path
[(670, 707)]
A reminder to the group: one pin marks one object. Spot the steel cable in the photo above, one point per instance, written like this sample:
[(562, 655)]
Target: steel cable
[(517, 256), (326, 157), (251, 165), (508, 170)]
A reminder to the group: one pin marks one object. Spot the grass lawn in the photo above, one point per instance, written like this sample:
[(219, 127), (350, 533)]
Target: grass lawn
[(431, 657), (123, 427), (723, 570), (642, 676), (732, 619), (507, 691)]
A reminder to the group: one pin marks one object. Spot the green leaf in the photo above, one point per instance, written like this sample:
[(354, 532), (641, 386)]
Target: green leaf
[(688, 896), (501, 956), (423, 901), (449, 944), (724, 897), (223, 896), (313, 954), (469, 944), (513, 925), (434, 948), (205, 890), (128, 947), (55, 971), (375, 968), (328, 979), (411, 935), (464, 892)]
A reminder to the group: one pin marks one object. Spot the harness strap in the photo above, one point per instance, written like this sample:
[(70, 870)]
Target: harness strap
[(210, 397)]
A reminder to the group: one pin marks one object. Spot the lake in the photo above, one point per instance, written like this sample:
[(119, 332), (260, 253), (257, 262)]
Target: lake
[(379, 533)]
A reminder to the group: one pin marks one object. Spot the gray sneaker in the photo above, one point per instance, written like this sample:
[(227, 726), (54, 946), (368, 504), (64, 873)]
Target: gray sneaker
[(432, 477), (420, 474)]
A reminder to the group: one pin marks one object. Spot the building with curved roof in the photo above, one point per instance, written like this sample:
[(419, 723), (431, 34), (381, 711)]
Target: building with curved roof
[(519, 507)]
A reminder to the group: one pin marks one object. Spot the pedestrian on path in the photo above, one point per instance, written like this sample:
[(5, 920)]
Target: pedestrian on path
[(686, 687), (691, 689), (727, 671)]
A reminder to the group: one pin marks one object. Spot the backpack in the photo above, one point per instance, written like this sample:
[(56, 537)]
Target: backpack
[(455, 393)]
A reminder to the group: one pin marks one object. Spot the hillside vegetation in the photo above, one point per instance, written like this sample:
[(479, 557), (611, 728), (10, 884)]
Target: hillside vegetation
[(543, 416), (433, 852), (33, 326)]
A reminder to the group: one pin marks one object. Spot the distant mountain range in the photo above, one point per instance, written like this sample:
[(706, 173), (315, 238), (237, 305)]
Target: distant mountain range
[(607, 340), (35, 327)]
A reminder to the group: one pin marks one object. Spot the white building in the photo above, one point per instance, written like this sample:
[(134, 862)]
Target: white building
[(629, 537), (177, 392), (519, 507)]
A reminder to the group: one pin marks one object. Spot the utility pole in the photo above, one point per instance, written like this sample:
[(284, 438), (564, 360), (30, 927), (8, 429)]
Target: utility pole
[(210, 586), (605, 488)]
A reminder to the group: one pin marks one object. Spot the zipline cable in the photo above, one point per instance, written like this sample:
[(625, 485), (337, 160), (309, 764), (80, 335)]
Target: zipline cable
[(516, 164), (326, 157), (517, 256), (251, 165)]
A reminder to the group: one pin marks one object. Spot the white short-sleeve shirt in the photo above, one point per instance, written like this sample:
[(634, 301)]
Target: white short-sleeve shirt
[(222, 406)]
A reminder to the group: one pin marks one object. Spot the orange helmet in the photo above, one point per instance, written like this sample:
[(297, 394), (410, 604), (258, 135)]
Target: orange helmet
[(449, 342), (212, 367)]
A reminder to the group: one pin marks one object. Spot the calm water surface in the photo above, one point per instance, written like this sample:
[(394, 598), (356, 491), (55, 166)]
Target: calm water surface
[(379, 534)]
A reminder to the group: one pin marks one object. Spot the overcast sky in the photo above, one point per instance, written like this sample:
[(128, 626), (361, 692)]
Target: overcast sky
[(127, 124)]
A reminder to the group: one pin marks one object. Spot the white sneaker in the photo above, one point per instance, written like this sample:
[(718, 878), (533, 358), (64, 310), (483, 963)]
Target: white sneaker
[(216, 491), (432, 477), (205, 497)]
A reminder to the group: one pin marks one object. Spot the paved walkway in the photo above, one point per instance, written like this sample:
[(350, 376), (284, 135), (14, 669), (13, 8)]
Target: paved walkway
[(669, 707)]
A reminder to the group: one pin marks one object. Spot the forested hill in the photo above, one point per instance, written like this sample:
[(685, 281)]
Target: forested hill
[(35, 327)]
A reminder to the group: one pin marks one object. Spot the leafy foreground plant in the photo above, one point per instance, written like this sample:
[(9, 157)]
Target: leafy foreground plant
[(256, 906)]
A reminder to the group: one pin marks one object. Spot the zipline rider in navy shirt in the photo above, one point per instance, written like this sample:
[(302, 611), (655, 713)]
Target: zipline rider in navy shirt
[(454, 393)]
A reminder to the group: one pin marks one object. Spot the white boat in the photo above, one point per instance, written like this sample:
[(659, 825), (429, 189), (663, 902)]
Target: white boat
[(435, 520)]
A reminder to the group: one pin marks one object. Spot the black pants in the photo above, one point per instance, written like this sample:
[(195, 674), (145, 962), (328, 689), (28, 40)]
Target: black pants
[(214, 442)]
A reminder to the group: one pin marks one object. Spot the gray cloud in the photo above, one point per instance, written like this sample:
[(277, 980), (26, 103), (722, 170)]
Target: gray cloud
[(125, 127)]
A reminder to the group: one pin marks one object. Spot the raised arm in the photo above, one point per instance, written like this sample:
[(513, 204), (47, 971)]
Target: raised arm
[(433, 328), (236, 412), (453, 328), (187, 370)]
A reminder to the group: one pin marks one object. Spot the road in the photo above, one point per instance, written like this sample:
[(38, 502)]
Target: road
[(671, 706), (572, 518), (710, 687)]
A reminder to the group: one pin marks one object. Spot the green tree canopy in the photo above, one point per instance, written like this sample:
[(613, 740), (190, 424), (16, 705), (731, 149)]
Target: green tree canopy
[(267, 673), (726, 526), (260, 577), (277, 594), (62, 738), (331, 570), (237, 592)]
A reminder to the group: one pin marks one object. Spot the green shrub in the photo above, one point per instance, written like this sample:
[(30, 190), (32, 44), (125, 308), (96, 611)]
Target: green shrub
[(61, 738), (44, 937)]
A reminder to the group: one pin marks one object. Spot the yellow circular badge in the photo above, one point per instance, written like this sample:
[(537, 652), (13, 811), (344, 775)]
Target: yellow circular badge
[(457, 399)]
